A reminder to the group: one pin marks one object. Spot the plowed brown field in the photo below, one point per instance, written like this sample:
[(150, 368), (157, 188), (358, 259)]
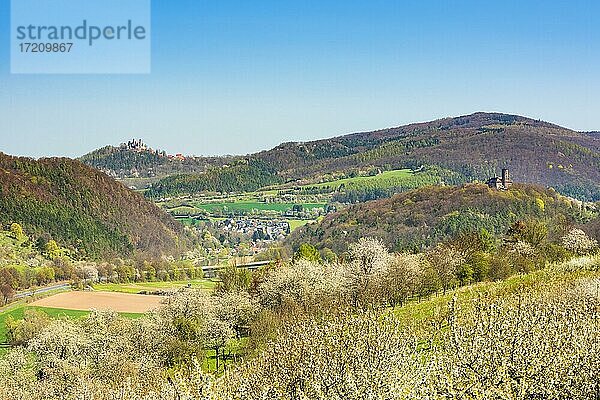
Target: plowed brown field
[(120, 302)]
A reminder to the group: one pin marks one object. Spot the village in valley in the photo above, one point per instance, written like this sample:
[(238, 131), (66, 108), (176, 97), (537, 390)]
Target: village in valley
[(257, 229)]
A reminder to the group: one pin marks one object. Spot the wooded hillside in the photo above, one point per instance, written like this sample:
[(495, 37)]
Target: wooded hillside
[(421, 218), (65, 200), (473, 147)]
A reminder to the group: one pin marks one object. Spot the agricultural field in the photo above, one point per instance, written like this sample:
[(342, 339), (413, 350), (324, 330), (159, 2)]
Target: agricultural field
[(86, 301), (249, 206), (272, 202), (17, 312), (134, 288), (386, 177), (250, 201)]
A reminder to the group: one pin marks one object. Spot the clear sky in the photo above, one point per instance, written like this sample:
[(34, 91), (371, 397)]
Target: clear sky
[(231, 77)]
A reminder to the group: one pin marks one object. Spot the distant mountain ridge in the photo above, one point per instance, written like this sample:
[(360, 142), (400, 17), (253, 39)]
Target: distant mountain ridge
[(80, 207), (475, 146)]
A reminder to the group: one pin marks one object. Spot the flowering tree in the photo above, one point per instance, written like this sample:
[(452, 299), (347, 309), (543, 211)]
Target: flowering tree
[(402, 278), (20, 332), (304, 284), (538, 341), (369, 260), (578, 242), (446, 260)]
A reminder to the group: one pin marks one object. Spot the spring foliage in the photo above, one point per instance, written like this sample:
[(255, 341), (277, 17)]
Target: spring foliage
[(330, 333), (82, 208)]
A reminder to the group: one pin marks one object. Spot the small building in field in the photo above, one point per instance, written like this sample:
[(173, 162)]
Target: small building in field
[(501, 182)]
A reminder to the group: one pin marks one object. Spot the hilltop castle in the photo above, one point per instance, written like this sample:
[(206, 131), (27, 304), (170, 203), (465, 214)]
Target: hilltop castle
[(135, 145), (501, 183)]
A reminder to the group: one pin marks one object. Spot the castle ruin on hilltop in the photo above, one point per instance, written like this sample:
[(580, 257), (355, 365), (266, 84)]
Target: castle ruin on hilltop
[(501, 183), (135, 145)]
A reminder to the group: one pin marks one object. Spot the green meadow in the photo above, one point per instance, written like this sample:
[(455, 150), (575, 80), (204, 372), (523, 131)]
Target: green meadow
[(17, 311), (395, 176), (248, 206), (207, 284)]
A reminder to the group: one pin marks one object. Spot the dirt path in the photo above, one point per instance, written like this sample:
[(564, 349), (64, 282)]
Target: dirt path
[(120, 302)]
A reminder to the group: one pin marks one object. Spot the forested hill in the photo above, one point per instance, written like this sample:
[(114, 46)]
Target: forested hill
[(421, 218), (593, 134), (123, 162), (78, 206), (475, 147)]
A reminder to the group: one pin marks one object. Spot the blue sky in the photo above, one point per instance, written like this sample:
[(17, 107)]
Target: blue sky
[(234, 77)]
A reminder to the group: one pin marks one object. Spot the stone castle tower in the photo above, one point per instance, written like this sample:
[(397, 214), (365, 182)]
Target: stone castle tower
[(501, 182)]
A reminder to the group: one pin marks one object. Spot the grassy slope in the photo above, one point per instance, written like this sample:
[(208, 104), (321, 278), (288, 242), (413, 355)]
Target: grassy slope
[(420, 312), (394, 176), (295, 223)]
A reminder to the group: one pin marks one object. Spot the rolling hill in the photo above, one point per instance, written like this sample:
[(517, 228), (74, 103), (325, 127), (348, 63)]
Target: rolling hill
[(78, 206), (139, 161), (421, 218), (474, 147)]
